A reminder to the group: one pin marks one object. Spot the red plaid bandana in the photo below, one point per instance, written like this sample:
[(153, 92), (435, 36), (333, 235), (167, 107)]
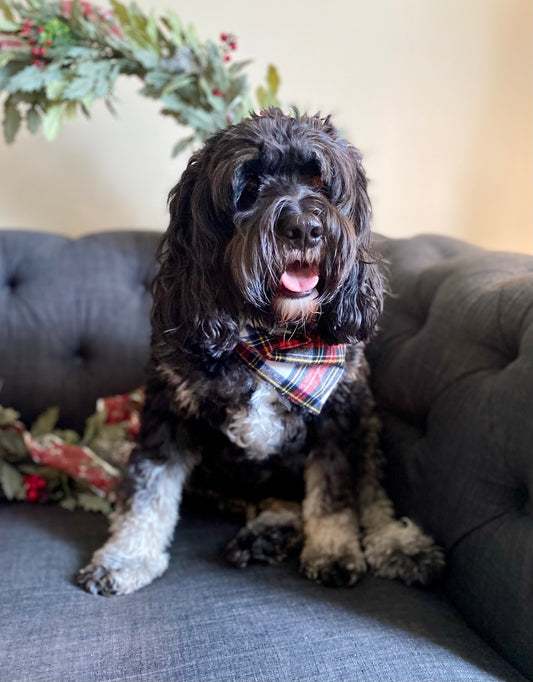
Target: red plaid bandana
[(304, 368)]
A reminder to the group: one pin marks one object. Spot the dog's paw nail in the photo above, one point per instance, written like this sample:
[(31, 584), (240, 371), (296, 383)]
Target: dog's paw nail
[(97, 580), (236, 555), (334, 571), (403, 551)]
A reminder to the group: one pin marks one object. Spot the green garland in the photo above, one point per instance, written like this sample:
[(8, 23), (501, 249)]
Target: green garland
[(57, 58)]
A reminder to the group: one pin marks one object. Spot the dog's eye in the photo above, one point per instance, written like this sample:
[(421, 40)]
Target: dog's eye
[(249, 193), (316, 182)]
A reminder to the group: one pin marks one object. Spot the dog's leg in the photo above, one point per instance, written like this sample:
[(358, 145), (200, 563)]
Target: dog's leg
[(142, 528), (394, 548), (272, 534), (332, 552)]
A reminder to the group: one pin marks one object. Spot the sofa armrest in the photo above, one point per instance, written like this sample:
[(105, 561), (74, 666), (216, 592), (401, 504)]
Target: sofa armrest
[(453, 373)]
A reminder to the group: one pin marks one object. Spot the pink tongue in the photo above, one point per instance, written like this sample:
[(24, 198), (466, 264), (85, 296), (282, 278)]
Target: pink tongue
[(298, 278)]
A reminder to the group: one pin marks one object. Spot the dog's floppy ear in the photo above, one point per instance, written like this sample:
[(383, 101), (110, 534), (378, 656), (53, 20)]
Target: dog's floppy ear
[(186, 312), (354, 311)]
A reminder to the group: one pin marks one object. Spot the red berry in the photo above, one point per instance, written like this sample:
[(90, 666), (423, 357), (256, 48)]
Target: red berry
[(227, 58), (223, 37), (36, 52), (217, 92), (233, 46), (48, 43), (40, 29)]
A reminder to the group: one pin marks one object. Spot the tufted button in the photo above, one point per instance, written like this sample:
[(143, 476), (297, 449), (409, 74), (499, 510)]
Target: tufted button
[(12, 282), (81, 354)]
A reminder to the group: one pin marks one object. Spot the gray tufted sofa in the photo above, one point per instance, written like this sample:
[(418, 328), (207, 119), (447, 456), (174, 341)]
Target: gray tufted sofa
[(453, 374)]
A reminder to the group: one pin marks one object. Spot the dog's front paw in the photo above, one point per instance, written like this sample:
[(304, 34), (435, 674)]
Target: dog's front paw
[(115, 576), (263, 544), (401, 550), (332, 570)]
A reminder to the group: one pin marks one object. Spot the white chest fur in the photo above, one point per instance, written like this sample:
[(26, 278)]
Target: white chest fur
[(257, 426)]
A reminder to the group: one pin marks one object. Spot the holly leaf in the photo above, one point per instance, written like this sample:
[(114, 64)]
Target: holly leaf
[(5, 57), (11, 480), (45, 423), (78, 88), (93, 503), (55, 88), (68, 503), (148, 58), (272, 79), (8, 416), (12, 121), (12, 446), (33, 120), (7, 26), (28, 79), (4, 6), (174, 26), (182, 145)]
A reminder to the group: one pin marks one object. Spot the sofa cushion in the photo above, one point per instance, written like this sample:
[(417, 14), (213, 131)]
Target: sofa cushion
[(453, 369), (204, 620), (75, 319)]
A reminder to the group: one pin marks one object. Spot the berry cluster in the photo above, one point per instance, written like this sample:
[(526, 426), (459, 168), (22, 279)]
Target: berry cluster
[(37, 39), (36, 488), (229, 44)]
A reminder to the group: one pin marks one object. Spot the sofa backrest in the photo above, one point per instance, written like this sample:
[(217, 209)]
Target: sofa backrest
[(74, 319)]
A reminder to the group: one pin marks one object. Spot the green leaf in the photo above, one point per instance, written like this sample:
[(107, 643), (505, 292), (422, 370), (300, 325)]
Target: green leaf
[(11, 480), (153, 32), (121, 13), (182, 145), (68, 503), (177, 83), (29, 79), (93, 503), (174, 26), (272, 79), (6, 57), (78, 88), (148, 58), (4, 6), (8, 416), (33, 120), (52, 121), (45, 423), (157, 78), (55, 89), (12, 446), (70, 110), (7, 26), (11, 122)]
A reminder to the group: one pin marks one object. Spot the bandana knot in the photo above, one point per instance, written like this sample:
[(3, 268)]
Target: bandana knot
[(303, 368)]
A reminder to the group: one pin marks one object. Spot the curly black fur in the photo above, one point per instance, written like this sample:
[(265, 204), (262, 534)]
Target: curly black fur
[(261, 196)]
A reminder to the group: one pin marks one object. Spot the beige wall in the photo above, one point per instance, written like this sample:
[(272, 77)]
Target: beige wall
[(437, 94)]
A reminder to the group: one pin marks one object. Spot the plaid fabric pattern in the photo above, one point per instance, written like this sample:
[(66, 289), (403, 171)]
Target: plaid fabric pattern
[(303, 368)]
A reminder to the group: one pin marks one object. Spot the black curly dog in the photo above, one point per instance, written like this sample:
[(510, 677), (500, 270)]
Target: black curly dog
[(269, 235)]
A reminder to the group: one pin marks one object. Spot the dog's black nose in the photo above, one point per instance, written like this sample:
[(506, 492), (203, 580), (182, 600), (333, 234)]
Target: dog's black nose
[(300, 231)]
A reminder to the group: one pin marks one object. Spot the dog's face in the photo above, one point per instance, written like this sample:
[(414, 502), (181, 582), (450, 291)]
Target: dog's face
[(269, 225)]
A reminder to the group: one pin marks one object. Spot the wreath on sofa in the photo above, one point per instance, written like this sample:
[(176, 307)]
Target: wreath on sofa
[(58, 58), (46, 464)]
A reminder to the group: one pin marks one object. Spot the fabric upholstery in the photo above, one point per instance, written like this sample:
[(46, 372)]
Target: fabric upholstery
[(453, 367), (204, 620), (452, 371)]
